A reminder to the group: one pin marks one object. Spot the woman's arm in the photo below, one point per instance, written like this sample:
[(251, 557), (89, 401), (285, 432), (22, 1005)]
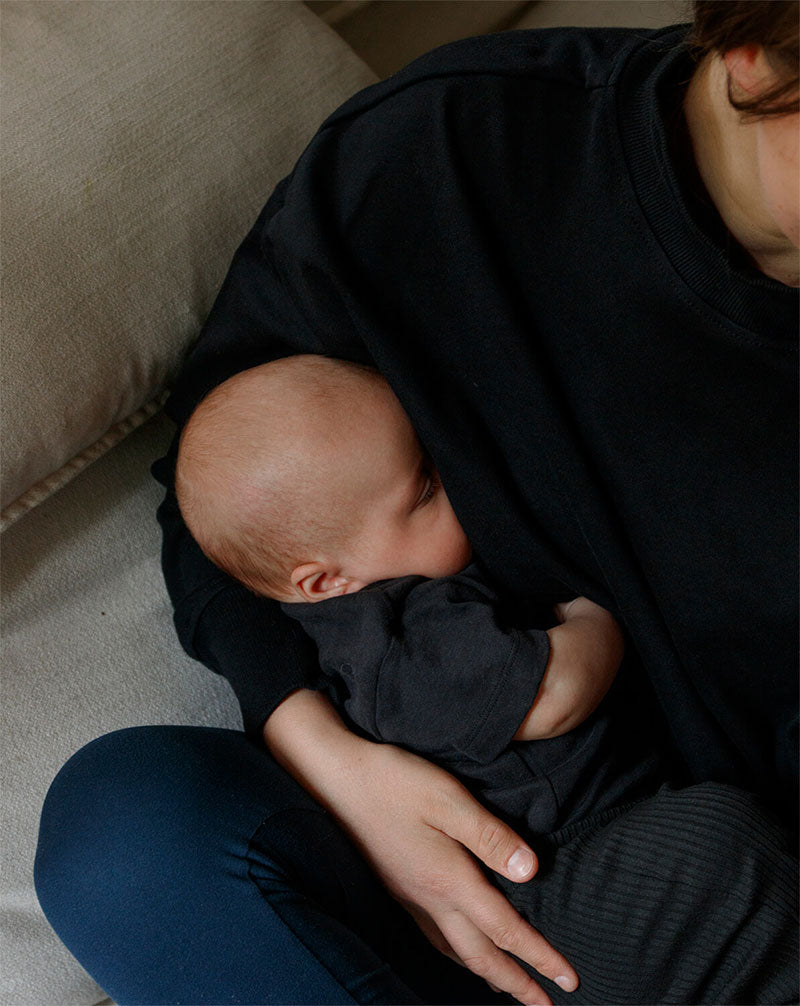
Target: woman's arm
[(416, 825), (585, 653)]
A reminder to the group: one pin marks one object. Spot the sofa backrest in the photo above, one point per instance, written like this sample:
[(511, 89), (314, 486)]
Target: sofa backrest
[(139, 142)]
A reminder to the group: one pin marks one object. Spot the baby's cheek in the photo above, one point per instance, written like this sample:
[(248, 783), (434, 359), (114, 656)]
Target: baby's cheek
[(459, 551)]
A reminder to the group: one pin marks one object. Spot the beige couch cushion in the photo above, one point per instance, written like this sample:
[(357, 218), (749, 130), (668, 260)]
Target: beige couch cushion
[(139, 141), (387, 36)]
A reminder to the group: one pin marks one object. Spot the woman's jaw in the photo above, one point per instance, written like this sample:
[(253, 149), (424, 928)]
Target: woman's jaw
[(751, 168)]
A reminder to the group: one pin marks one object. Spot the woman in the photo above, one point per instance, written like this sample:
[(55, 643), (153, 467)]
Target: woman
[(574, 256)]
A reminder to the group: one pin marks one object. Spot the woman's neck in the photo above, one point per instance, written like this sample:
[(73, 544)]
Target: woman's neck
[(728, 155)]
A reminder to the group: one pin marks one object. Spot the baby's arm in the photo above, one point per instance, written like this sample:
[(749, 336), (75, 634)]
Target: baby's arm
[(585, 653)]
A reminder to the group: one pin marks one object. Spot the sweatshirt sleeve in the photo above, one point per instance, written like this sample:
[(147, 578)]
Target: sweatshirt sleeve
[(457, 681)]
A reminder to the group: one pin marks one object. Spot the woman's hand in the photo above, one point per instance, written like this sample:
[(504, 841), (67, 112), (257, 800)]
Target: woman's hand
[(586, 650), (414, 823)]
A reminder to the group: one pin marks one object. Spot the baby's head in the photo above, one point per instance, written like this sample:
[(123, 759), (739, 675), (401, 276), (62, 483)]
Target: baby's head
[(304, 479)]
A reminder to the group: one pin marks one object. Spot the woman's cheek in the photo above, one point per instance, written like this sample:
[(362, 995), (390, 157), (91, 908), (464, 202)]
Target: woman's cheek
[(779, 163)]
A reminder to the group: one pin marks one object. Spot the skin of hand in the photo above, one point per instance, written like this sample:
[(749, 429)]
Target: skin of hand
[(419, 829), (585, 653)]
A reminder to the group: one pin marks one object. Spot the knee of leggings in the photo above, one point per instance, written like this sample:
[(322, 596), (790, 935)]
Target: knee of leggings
[(142, 804), (90, 803)]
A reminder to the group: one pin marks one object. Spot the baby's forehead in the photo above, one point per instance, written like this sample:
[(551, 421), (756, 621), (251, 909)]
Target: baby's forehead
[(331, 423)]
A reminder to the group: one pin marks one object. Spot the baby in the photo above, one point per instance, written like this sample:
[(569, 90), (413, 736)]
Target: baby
[(305, 480)]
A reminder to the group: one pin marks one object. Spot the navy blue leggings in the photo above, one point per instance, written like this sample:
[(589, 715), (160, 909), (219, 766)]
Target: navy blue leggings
[(182, 865)]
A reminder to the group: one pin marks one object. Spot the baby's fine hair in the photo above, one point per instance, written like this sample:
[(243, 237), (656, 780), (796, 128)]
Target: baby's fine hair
[(249, 489)]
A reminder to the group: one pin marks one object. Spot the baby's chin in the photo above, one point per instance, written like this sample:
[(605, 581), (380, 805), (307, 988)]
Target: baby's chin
[(436, 571), (459, 562)]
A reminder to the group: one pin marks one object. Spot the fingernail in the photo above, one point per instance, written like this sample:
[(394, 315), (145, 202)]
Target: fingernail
[(567, 984), (520, 864)]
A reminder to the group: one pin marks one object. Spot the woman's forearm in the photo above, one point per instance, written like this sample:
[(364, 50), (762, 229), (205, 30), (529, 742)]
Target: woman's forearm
[(416, 825), (307, 737)]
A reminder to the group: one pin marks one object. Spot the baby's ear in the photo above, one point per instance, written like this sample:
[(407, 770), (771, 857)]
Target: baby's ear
[(317, 581)]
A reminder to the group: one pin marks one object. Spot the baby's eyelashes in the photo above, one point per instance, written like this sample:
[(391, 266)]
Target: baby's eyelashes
[(432, 485)]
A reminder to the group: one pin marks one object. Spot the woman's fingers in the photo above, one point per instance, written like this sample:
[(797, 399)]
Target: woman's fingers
[(431, 931), (481, 955), (487, 929), (502, 850), (490, 839), (495, 917), (417, 825)]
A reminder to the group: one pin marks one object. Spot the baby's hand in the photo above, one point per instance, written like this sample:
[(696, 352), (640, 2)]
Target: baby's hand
[(586, 650)]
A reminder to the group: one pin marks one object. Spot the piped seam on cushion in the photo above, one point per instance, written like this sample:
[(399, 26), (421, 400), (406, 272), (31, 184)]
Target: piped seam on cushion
[(50, 484)]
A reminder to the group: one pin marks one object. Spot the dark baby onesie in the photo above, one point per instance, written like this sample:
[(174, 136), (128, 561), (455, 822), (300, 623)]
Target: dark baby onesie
[(441, 667)]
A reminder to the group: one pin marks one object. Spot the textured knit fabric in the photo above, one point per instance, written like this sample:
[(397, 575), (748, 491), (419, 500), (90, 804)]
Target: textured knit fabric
[(609, 396), (690, 896), (438, 666)]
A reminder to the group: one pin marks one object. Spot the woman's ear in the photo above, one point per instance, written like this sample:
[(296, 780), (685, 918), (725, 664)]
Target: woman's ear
[(317, 581), (748, 71)]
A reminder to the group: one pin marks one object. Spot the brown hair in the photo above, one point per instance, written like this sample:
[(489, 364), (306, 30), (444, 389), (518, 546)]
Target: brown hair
[(723, 25)]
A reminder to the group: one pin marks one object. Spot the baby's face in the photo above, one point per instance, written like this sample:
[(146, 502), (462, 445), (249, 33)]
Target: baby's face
[(407, 524)]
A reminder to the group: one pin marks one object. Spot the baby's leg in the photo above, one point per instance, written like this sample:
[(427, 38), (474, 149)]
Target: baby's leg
[(688, 897)]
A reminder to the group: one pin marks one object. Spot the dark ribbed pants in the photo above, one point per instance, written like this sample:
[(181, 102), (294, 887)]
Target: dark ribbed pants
[(690, 896), (181, 865)]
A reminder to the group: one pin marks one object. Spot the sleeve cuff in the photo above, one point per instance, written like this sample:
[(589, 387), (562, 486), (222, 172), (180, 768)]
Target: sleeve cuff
[(512, 696), (263, 653)]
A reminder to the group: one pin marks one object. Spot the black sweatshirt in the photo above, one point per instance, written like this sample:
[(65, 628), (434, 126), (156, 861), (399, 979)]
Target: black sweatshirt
[(511, 231), (444, 668)]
